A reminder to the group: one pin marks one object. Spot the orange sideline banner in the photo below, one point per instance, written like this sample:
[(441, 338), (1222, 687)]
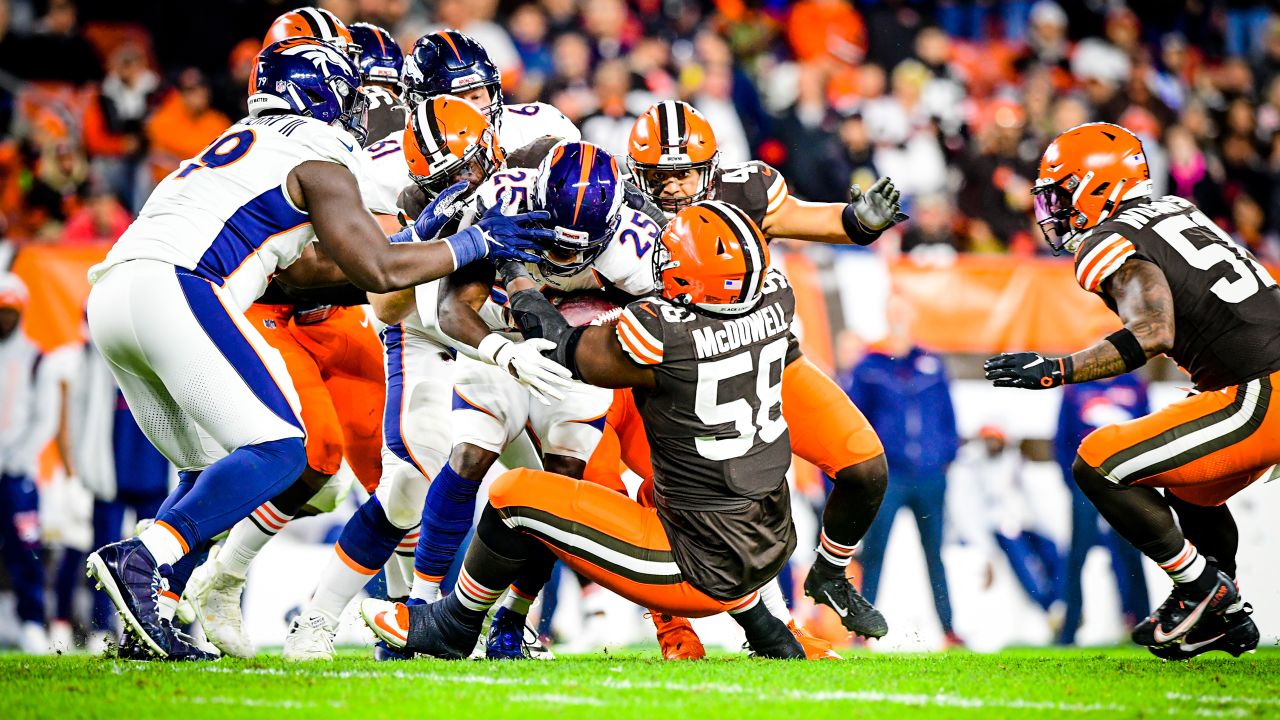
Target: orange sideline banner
[(57, 279)]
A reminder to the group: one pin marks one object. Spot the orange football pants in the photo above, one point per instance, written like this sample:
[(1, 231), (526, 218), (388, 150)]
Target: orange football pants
[(607, 537), (827, 429), (336, 367), (1204, 448)]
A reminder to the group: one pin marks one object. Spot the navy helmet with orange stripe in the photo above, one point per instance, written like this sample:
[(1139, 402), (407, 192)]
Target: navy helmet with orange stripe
[(672, 138), (1085, 174), (447, 140), (381, 59), (580, 185), (711, 255), (453, 63)]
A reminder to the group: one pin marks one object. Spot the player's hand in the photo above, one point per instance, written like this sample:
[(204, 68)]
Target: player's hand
[(515, 237), (1028, 370), (439, 211), (879, 208), (546, 379)]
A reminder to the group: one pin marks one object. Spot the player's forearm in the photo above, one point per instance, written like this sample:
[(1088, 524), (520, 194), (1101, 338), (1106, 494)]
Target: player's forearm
[(831, 223), (1121, 352), (459, 319), (391, 308), (399, 266)]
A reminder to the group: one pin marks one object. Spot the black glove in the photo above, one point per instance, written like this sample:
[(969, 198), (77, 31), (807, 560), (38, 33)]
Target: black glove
[(1029, 370)]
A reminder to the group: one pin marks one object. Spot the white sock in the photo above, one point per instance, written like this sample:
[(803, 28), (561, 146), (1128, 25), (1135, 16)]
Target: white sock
[(774, 601), (833, 552), (424, 589), (1186, 566), (164, 543), (397, 585), (516, 602), (249, 536), (167, 602), (339, 583)]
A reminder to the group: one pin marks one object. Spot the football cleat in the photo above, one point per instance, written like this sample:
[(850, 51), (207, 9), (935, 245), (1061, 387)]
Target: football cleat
[(676, 638), (836, 592), (1184, 609), (776, 642), (506, 637), (423, 629), (382, 652), (310, 638), (129, 575), (815, 648), (214, 594), (1232, 632), (182, 648)]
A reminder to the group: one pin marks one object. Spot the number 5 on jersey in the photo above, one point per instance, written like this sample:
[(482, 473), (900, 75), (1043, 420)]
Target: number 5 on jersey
[(768, 421)]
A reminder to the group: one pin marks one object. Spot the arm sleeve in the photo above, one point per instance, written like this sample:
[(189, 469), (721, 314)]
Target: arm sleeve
[(639, 331)]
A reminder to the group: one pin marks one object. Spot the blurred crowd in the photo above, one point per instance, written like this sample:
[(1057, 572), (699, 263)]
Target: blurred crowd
[(955, 99)]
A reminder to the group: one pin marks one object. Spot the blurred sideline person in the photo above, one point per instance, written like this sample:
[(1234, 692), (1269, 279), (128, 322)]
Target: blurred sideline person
[(28, 421), (905, 393), (1183, 288), (1085, 408)]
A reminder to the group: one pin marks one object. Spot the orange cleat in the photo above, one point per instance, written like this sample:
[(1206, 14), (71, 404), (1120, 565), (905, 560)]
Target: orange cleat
[(815, 648), (677, 638)]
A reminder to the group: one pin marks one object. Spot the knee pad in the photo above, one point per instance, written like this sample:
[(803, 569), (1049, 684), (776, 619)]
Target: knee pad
[(402, 493)]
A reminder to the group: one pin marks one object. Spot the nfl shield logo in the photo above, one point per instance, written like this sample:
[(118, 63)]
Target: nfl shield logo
[(269, 324)]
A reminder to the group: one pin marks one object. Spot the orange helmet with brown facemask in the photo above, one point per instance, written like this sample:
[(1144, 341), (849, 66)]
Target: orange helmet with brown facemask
[(308, 22), (1084, 175), (672, 137), (448, 139), (712, 256)]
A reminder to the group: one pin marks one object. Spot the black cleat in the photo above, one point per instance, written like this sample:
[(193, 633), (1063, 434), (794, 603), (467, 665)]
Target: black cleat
[(1233, 633), (434, 632), (775, 641), (836, 592), (182, 648), (1185, 608), (129, 575)]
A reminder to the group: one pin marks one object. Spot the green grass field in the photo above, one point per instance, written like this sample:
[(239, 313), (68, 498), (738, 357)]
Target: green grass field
[(1016, 684)]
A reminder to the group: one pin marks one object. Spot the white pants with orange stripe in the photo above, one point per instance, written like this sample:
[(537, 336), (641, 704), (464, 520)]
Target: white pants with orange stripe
[(491, 409), (199, 379)]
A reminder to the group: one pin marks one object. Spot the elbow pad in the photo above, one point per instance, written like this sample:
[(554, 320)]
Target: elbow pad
[(536, 317)]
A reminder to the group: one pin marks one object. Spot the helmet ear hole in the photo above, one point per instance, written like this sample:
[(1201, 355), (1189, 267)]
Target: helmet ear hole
[(720, 248)]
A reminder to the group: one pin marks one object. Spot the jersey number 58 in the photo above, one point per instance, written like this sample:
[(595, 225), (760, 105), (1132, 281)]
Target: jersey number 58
[(768, 423)]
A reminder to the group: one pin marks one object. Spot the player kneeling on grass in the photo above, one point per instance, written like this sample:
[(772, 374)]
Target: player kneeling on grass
[(706, 361)]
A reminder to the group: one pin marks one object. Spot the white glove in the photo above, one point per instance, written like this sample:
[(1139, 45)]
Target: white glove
[(879, 207), (546, 379)]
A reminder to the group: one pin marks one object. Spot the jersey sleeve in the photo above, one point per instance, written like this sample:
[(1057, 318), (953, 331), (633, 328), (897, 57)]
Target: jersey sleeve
[(553, 122), (639, 331), (1099, 256), (775, 188), (385, 175)]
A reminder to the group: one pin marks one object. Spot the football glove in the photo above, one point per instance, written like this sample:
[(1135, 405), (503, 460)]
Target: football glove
[(546, 379), (501, 237), (879, 208), (1028, 370), (439, 211)]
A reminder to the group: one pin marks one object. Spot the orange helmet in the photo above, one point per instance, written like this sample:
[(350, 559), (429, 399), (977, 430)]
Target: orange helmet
[(1084, 174), (447, 137), (672, 137), (711, 255), (308, 22)]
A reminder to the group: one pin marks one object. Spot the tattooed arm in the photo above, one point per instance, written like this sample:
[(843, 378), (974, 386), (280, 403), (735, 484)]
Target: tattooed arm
[(1144, 303)]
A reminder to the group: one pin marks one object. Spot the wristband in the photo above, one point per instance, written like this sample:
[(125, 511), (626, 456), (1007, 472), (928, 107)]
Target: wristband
[(1068, 368), (566, 352), (509, 270), (490, 346), (467, 246), (854, 228), (1126, 343), (406, 235)]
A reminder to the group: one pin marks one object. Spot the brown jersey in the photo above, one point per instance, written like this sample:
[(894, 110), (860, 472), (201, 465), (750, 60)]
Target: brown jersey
[(1226, 305), (386, 114), (719, 443), (755, 187)]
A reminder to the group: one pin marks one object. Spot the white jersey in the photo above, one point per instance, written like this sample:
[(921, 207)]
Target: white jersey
[(625, 264), (227, 215)]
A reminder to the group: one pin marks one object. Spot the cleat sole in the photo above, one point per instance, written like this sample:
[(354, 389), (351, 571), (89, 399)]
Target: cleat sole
[(97, 569)]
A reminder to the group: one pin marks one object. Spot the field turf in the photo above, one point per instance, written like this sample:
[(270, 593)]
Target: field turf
[(1016, 684)]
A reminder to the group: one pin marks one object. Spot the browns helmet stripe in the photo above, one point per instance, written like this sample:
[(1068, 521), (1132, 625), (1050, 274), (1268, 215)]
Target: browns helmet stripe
[(749, 239), (322, 25), (682, 128)]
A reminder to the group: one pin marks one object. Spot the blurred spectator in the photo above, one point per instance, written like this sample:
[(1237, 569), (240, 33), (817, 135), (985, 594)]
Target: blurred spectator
[(1248, 223), (932, 225), (183, 125), (475, 18), (998, 175), (56, 51), (1246, 26), (528, 26), (569, 88), (1191, 174), (826, 30), (100, 219), (810, 149), (1085, 408), (113, 121), (231, 96), (1046, 44), (26, 426), (59, 185), (610, 125), (711, 86), (902, 129), (904, 392), (995, 512), (610, 28)]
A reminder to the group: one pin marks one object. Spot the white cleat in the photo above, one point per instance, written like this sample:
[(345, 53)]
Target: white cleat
[(310, 638), (214, 595), (35, 640), (383, 619)]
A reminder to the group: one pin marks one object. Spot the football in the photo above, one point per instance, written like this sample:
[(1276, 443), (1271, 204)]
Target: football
[(586, 307)]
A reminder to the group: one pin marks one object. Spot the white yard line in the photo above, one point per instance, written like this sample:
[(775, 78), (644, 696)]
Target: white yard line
[(1223, 699), (250, 702), (557, 699)]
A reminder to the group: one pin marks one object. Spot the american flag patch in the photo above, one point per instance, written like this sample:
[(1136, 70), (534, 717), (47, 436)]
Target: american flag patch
[(733, 284)]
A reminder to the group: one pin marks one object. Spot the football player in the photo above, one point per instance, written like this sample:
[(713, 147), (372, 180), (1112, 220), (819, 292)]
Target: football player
[(706, 360), (167, 305), (673, 156), (448, 143), (1182, 288), (381, 64), (333, 357)]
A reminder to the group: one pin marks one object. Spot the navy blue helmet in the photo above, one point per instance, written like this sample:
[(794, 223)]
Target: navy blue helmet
[(451, 63), (580, 186), (381, 59), (309, 77)]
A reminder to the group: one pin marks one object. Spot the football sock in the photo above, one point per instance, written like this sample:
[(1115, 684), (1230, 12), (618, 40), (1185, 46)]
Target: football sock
[(833, 557), (367, 542), (403, 559), (250, 535), (1189, 567), (1211, 529), (227, 491), (167, 604), (426, 589), (485, 574), (771, 596), (446, 518), (397, 584), (166, 545)]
